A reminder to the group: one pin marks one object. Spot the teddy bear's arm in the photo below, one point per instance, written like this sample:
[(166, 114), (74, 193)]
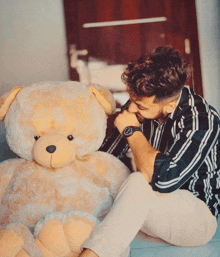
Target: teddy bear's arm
[(7, 169), (113, 171)]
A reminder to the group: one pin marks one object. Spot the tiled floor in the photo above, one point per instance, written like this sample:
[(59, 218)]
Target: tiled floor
[(145, 246)]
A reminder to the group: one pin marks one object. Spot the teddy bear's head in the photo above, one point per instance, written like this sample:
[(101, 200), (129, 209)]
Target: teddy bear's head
[(55, 122)]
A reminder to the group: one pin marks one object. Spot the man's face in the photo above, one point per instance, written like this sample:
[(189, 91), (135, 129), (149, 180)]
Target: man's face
[(147, 108)]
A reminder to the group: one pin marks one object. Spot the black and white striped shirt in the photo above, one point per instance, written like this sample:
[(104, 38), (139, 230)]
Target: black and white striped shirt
[(189, 145)]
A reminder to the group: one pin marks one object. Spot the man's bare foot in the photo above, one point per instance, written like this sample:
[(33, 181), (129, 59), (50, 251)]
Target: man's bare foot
[(88, 253)]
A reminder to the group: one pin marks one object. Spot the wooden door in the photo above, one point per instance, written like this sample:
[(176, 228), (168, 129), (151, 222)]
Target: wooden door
[(119, 31)]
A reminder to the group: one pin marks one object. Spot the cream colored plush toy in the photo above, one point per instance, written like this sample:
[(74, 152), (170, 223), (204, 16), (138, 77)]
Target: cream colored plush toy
[(61, 186)]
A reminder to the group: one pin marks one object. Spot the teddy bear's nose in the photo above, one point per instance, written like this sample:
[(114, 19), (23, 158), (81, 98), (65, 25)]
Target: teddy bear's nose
[(51, 148)]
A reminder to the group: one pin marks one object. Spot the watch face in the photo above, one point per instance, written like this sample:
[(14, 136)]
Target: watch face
[(128, 131)]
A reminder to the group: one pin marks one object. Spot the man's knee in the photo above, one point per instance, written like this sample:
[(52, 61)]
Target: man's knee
[(198, 237), (137, 181), (136, 178), (210, 229)]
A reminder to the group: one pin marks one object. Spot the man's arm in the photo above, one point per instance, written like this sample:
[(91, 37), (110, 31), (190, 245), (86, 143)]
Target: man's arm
[(115, 143), (168, 172), (197, 137), (144, 154)]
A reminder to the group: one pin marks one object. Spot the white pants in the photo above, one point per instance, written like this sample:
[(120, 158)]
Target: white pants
[(179, 218)]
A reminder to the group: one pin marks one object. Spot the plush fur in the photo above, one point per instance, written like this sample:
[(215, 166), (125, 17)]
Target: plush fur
[(61, 186)]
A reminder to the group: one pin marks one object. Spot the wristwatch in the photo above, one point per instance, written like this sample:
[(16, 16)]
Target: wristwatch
[(128, 131)]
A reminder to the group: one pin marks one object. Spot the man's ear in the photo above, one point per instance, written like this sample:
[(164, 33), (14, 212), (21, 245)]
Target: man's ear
[(170, 107), (104, 97), (6, 101)]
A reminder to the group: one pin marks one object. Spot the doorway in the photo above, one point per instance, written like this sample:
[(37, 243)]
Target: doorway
[(103, 36)]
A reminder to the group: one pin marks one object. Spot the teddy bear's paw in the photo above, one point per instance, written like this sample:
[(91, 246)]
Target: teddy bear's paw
[(62, 234), (10, 243), (16, 240)]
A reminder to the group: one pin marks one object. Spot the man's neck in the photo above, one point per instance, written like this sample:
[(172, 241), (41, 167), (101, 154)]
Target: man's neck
[(161, 120)]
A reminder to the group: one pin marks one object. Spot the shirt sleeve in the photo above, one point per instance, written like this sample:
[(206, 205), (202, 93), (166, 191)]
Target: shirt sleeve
[(115, 143), (192, 144)]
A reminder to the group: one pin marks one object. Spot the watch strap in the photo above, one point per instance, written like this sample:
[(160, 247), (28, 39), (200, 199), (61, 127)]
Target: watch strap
[(129, 131)]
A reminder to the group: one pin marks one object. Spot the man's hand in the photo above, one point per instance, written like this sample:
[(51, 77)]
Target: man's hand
[(125, 119)]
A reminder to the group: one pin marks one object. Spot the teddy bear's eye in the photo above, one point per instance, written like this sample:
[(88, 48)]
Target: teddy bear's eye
[(70, 137), (36, 137)]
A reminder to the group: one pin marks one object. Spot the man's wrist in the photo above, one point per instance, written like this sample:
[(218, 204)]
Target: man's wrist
[(129, 130)]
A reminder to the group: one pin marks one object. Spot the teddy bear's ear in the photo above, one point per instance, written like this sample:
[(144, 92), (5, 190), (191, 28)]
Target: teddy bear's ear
[(104, 97), (7, 99)]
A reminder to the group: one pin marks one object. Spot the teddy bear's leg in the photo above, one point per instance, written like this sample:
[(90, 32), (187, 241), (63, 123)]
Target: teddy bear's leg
[(16, 240), (10, 243), (61, 234)]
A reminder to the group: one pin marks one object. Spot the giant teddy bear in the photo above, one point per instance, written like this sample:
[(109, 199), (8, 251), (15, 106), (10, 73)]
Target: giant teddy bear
[(61, 186)]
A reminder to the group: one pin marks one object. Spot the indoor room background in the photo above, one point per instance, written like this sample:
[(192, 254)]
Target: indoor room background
[(36, 43)]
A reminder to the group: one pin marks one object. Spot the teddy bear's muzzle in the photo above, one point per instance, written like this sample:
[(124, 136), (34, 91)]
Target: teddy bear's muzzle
[(54, 151)]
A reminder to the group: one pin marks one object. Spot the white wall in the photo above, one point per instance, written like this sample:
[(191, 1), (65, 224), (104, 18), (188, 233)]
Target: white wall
[(208, 16), (33, 43)]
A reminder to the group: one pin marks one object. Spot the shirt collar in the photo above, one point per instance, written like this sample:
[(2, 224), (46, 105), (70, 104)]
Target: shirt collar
[(184, 95), (177, 106), (183, 101)]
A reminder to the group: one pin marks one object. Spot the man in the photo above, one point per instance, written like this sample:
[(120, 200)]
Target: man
[(174, 136)]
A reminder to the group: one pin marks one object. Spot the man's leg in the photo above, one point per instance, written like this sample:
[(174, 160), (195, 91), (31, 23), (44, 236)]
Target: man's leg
[(181, 219), (111, 237), (136, 206)]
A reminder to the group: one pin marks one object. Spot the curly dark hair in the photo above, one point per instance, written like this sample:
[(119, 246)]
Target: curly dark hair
[(162, 73)]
